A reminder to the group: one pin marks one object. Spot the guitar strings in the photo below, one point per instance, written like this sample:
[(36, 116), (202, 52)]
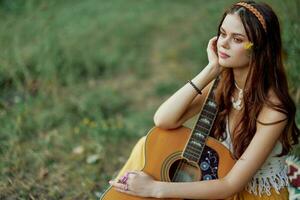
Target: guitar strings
[(211, 95), (176, 171)]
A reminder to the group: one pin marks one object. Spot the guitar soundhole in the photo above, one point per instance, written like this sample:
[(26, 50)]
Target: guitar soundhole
[(182, 171), (209, 164)]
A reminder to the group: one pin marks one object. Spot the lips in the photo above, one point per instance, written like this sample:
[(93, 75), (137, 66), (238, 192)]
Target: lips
[(223, 55)]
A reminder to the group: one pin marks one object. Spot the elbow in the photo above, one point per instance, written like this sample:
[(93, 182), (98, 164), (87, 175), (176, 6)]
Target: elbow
[(160, 124), (228, 195), (232, 188), (163, 124), (156, 120)]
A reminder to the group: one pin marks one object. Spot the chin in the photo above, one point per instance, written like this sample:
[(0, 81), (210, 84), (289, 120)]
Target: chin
[(224, 63)]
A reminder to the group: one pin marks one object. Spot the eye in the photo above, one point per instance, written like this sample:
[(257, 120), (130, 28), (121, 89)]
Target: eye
[(237, 40), (222, 34)]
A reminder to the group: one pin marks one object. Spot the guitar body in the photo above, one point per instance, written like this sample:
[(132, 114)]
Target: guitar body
[(164, 160)]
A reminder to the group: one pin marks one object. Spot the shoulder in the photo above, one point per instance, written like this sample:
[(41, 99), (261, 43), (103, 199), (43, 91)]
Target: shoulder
[(270, 115)]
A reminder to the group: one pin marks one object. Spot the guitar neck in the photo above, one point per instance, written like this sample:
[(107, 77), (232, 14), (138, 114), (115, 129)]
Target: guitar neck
[(203, 126)]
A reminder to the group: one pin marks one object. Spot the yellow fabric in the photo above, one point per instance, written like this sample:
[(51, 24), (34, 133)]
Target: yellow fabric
[(136, 161)]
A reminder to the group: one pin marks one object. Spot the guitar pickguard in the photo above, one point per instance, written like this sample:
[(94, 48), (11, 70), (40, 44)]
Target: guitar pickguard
[(209, 164)]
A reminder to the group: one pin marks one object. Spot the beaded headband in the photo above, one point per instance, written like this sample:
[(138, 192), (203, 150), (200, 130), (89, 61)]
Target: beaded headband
[(255, 12)]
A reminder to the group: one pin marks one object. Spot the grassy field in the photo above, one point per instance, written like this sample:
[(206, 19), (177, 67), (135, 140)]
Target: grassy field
[(80, 82)]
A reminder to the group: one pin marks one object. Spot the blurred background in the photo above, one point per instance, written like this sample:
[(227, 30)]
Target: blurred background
[(80, 82)]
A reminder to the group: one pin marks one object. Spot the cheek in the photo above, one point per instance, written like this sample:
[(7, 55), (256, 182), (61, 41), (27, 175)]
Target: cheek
[(240, 51), (242, 54), (239, 57)]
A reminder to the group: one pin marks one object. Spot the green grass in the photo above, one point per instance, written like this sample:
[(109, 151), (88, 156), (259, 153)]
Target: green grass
[(89, 75)]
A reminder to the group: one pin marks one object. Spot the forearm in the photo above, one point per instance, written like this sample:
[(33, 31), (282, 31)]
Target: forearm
[(213, 189), (174, 107)]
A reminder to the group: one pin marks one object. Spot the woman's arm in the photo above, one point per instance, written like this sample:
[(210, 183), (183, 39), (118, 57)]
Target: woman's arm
[(186, 102), (245, 168)]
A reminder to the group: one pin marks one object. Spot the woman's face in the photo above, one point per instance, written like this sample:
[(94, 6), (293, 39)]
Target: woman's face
[(230, 44)]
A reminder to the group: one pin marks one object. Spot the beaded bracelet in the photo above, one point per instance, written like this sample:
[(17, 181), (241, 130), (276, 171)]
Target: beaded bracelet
[(195, 87)]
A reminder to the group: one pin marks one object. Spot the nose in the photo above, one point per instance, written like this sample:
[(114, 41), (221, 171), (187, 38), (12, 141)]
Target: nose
[(224, 42)]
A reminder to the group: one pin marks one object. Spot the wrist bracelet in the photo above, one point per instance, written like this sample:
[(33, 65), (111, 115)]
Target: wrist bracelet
[(195, 87)]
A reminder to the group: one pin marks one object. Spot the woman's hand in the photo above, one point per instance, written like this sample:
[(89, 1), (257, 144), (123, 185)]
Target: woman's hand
[(136, 183), (212, 54)]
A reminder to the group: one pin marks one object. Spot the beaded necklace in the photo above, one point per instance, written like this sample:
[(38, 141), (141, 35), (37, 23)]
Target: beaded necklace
[(236, 104)]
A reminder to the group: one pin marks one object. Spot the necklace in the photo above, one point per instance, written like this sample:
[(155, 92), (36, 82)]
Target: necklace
[(236, 104)]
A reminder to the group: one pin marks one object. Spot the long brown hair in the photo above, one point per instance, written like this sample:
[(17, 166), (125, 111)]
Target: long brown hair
[(266, 73)]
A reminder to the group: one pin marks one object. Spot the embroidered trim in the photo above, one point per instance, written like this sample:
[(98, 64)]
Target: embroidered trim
[(262, 185)]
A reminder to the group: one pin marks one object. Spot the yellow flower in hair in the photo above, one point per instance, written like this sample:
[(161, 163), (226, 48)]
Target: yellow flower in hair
[(248, 45)]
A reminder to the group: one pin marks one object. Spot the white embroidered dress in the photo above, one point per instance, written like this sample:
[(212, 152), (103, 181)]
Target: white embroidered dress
[(272, 174)]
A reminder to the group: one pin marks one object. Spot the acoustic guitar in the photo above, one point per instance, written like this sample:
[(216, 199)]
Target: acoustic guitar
[(182, 154)]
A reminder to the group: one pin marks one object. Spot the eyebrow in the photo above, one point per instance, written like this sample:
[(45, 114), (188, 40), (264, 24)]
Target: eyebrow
[(222, 29)]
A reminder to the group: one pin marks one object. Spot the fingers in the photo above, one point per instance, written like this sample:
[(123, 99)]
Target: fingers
[(213, 40), (118, 185), (212, 43), (124, 188), (124, 179), (126, 191)]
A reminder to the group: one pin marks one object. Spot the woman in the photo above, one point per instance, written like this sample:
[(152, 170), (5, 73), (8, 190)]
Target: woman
[(256, 118)]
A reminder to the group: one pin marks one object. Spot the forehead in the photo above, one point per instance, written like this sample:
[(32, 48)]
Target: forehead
[(233, 24)]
